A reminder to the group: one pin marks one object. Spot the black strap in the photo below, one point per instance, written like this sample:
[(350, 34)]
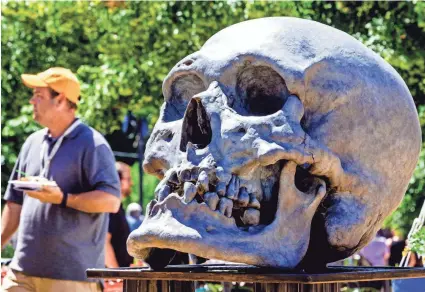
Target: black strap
[(64, 200)]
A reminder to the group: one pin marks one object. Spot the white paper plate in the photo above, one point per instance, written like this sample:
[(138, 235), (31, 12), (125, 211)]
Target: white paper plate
[(31, 185)]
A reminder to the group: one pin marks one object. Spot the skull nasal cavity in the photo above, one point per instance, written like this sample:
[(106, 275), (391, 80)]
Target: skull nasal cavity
[(196, 126)]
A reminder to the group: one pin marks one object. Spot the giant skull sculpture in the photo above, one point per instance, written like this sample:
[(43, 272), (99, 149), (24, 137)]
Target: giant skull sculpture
[(280, 140)]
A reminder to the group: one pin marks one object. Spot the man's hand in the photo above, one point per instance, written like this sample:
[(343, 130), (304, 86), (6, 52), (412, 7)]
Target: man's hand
[(47, 194)]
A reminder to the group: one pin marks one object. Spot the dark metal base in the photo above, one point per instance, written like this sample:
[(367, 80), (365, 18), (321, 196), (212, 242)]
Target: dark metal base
[(186, 286), (183, 278), (157, 286)]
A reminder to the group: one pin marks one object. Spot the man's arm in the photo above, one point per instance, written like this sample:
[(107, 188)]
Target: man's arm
[(94, 202), (110, 258), (89, 202), (9, 221)]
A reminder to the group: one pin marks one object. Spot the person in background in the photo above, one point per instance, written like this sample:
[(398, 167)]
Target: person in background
[(134, 216), (396, 252), (377, 251), (118, 231), (61, 228)]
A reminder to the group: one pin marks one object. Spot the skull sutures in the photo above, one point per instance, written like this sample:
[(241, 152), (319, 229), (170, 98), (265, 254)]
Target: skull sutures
[(281, 140)]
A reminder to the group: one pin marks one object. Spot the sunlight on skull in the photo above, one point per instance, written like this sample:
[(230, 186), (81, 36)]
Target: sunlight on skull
[(280, 141)]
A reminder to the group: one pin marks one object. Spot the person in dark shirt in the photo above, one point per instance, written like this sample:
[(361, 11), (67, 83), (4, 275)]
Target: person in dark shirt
[(116, 240), (396, 252)]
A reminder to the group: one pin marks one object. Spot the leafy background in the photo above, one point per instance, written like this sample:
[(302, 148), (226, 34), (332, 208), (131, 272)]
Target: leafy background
[(121, 52)]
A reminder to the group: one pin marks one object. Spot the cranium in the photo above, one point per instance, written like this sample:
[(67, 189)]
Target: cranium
[(281, 140)]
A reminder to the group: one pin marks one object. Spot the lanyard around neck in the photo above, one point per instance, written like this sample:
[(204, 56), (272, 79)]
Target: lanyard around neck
[(47, 157)]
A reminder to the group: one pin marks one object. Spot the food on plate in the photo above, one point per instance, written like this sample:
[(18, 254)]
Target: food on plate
[(34, 179)]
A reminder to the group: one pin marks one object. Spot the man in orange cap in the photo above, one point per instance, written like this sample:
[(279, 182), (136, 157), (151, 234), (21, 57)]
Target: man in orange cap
[(62, 227)]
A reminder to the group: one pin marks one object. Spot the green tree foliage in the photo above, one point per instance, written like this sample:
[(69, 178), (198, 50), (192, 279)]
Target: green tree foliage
[(122, 51)]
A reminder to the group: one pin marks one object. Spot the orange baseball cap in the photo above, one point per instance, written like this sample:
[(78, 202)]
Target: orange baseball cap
[(59, 79)]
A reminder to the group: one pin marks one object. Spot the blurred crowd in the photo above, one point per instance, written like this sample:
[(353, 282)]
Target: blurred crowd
[(386, 249)]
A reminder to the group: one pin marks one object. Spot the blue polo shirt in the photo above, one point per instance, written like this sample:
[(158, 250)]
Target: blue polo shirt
[(55, 242)]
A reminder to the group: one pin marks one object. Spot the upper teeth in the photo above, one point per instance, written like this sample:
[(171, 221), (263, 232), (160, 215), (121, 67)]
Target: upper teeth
[(189, 192), (185, 175), (203, 183), (226, 206), (243, 198), (163, 192), (253, 202), (233, 188), (221, 188), (223, 175), (228, 193)]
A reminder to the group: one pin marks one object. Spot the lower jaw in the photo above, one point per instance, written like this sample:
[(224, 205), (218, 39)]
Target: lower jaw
[(194, 228)]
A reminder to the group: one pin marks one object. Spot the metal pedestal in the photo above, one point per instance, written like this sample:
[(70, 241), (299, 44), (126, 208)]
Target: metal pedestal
[(183, 278)]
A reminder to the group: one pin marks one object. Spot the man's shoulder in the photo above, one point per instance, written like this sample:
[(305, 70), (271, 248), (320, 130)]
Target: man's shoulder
[(89, 136)]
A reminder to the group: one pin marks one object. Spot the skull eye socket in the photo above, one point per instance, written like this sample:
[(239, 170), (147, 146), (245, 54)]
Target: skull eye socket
[(261, 91), (182, 90)]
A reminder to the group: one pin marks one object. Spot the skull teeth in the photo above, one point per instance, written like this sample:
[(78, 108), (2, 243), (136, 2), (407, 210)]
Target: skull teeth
[(194, 174), (215, 192), (184, 175), (253, 202), (222, 175), (174, 179), (221, 189), (189, 192), (225, 207), (163, 192), (202, 184), (233, 188), (243, 198), (251, 216), (211, 199)]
